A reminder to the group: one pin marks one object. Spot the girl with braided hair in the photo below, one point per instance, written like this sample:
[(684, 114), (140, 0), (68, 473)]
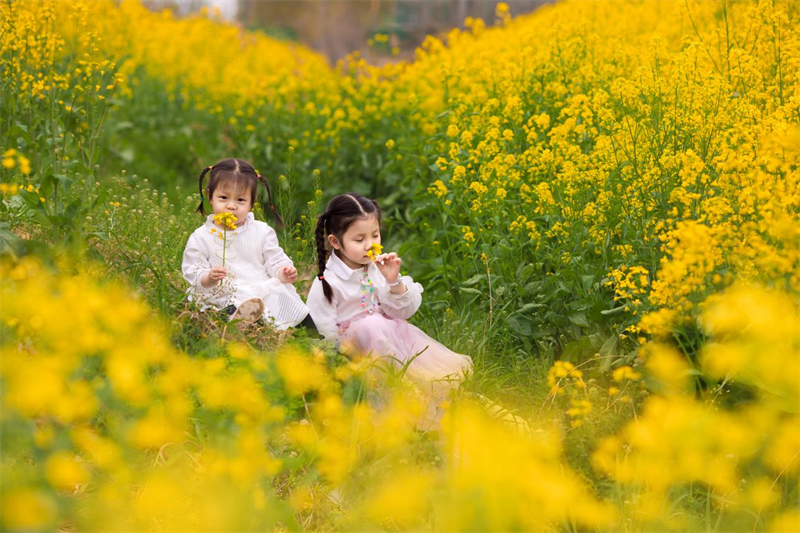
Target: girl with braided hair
[(359, 298), (239, 266)]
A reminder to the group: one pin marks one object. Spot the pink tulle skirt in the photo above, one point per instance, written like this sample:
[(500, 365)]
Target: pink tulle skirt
[(431, 366)]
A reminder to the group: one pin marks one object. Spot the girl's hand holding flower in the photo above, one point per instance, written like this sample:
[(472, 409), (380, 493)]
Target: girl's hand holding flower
[(287, 274), (214, 276), (226, 221), (389, 265)]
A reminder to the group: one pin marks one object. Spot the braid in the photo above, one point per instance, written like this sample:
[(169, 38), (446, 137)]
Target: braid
[(319, 234), (278, 218), (200, 208)]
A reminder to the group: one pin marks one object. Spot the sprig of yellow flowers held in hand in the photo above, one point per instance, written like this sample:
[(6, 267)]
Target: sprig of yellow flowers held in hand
[(228, 222), (374, 251)]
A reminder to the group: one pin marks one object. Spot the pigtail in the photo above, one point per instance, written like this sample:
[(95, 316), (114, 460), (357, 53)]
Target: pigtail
[(377, 210), (278, 218), (319, 234), (200, 208)]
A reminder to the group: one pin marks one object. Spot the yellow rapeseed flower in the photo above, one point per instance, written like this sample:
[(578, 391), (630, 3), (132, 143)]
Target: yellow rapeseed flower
[(438, 189), (28, 509), (64, 471), (24, 165), (226, 220), (374, 251), (301, 373)]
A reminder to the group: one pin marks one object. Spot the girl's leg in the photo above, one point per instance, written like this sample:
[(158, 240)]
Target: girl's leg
[(249, 311)]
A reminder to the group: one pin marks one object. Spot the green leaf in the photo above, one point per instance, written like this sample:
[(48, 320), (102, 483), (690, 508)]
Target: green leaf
[(610, 346), (467, 290), (102, 235), (532, 287), (607, 352), (474, 280), (611, 312), (31, 199), (528, 307), (520, 324), (542, 333), (9, 242), (123, 125), (579, 319)]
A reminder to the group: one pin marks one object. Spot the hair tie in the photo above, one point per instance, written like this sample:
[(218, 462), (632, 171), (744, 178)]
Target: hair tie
[(210, 167), (320, 277)]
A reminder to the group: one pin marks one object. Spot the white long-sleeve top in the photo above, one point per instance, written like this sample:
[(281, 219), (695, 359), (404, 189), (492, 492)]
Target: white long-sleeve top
[(252, 252), (253, 259), (347, 292)]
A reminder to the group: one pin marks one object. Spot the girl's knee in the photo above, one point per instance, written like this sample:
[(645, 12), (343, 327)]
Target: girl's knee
[(374, 325), (371, 333)]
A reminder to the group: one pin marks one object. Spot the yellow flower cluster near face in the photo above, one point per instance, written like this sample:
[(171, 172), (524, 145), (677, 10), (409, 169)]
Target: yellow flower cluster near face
[(374, 251), (226, 220)]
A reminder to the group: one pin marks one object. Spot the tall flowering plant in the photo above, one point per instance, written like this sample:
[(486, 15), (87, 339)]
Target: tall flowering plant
[(228, 222)]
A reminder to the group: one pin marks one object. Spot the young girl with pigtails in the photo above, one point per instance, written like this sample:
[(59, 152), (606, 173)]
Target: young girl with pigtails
[(360, 298), (234, 262)]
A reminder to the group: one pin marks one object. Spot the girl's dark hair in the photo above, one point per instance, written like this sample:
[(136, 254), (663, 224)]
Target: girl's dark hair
[(342, 211), (240, 175)]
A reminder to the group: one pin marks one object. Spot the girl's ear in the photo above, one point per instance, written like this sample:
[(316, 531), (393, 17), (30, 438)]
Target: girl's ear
[(334, 241)]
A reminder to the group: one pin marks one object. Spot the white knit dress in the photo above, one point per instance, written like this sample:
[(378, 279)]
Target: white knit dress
[(253, 259)]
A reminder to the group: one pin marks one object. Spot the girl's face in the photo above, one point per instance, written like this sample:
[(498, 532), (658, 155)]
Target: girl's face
[(356, 241), (226, 199)]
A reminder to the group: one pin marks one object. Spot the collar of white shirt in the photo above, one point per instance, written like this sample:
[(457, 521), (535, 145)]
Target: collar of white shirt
[(338, 267), (248, 220)]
